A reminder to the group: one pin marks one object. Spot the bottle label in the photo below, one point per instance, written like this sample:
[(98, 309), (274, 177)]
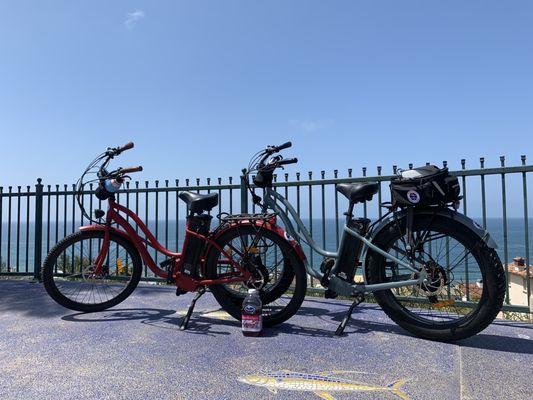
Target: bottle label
[(252, 323)]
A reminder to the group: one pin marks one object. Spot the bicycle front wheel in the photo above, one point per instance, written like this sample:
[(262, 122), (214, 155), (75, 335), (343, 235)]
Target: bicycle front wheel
[(465, 284), (71, 278)]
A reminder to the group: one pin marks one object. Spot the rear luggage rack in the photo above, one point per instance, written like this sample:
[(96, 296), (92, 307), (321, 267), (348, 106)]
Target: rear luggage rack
[(225, 217)]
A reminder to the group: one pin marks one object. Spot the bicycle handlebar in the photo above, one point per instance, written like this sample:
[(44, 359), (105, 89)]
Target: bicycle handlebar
[(127, 146), (112, 152), (130, 169), (288, 161), (274, 149), (285, 145)]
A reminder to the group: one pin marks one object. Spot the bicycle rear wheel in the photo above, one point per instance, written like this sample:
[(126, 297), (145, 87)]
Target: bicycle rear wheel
[(465, 286), (278, 273), (71, 279)]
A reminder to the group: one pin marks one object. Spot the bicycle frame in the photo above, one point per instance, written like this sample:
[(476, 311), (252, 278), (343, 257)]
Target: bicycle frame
[(141, 244), (270, 201)]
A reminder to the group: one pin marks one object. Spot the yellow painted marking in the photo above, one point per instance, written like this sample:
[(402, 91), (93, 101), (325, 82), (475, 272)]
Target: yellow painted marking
[(444, 303), (215, 314), (325, 395), (252, 250)]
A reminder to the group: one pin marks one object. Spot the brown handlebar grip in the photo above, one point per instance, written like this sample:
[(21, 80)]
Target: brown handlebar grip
[(131, 169), (127, 146)]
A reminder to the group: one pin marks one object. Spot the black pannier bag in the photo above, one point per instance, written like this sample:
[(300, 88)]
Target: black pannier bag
[(424, 186)]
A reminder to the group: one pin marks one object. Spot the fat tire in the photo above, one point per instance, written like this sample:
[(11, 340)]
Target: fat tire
[(47, 271), (494, 283)]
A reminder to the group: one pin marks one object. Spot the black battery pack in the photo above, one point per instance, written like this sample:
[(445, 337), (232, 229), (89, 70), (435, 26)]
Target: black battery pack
[(199, 224)]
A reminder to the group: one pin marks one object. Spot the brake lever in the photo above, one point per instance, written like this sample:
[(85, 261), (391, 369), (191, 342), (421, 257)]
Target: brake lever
[(111, 152)]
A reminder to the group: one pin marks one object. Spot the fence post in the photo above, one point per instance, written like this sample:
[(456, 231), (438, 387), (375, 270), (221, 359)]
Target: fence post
[(38, 240), (244, 194)]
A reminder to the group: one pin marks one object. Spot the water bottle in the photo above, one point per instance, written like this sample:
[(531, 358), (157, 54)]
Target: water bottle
[(252, 314)]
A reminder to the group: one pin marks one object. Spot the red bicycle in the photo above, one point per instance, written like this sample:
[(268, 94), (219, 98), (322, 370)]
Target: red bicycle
[(100, 265)]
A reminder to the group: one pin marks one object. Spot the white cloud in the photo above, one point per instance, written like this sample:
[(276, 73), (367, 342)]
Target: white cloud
[(133, 18), (308, 125)]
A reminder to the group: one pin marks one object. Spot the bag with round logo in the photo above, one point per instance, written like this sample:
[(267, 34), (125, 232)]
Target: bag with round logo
[(424, 186)]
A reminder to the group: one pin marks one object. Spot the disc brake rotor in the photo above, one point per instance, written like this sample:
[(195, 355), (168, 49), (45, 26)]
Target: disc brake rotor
[(435, 282)]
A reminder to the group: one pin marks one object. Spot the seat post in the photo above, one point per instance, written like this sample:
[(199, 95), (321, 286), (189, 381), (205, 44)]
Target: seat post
[(349, 213)]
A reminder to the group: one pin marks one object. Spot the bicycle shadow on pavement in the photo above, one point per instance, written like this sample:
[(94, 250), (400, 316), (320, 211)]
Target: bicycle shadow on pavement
[(202, 322), (28, 298), (215, 322), (483, 340), (158, 318), (507, 344)]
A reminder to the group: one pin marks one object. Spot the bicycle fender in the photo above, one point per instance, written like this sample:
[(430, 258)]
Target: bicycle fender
[(467, 223), (103, 228), (271, 226)]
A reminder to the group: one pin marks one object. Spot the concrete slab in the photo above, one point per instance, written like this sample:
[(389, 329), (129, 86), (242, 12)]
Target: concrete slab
[(136, 351)]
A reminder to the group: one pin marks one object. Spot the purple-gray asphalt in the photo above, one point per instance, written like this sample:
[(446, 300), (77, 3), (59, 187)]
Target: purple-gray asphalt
[(136, 351)]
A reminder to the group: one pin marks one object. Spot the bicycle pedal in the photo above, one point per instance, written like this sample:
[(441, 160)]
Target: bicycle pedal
[(180, 291)]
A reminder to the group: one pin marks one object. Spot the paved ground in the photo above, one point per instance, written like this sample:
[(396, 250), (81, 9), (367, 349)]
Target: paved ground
[(136, 351)]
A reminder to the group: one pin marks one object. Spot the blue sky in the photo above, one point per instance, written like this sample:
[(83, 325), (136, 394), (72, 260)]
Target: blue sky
[(200, 85)]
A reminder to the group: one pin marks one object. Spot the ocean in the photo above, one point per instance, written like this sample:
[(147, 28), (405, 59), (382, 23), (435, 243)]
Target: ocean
[(18, 255)]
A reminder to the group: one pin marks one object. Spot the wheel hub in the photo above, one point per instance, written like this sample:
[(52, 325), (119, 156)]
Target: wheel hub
[(435, 281), (260, 275)]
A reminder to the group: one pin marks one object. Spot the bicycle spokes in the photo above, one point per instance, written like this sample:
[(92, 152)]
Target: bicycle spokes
[(88, 273), (453, 275)]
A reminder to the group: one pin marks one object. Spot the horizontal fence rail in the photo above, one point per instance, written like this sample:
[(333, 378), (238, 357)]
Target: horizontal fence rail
[(34, 218)]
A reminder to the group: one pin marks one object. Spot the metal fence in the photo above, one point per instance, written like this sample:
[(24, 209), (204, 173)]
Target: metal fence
[(33, 219)]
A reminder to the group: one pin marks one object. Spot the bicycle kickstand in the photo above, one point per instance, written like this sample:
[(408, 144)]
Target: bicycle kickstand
[(359, 298), (187, 317)]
